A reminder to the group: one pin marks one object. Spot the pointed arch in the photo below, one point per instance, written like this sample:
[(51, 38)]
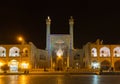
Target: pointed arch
[(104, 52), (2, 52), (105, 65), (116, 52), (14, 52), (25, 52), (94, 52)]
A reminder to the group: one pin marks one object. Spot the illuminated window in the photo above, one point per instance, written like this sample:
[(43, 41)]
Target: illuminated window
[(14, 52), (104, 52), (2, 52), (116, 52), (94, 52)]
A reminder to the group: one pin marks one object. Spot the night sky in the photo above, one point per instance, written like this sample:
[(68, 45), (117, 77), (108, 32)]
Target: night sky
[(93, 19)]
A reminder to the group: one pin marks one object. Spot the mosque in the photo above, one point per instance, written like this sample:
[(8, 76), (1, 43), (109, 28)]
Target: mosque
[(60, 54), (60, 48)]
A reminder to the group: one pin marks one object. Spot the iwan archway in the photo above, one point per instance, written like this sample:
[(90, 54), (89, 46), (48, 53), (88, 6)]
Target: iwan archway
[(59, 54), (59, 43)]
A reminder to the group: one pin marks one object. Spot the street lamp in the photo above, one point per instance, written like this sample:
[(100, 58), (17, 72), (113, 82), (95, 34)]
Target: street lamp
[(21, 40)]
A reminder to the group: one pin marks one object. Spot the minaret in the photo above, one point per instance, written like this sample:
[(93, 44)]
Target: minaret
[(48, 23), (71, 23)]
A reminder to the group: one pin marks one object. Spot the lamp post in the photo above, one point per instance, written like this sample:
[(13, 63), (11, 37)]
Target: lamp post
[(24, 65), (20, 39)]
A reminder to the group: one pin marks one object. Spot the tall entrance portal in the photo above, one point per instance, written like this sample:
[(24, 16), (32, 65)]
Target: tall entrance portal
[(59, 46), (59, 64), (59, 52)]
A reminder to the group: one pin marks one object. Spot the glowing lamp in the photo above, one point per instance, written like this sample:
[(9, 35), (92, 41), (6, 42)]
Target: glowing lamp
[(95, 65), (20, 39), (59, 53), (24, 65)]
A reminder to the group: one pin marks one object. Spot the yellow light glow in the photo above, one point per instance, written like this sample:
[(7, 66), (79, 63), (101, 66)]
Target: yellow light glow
[(20, 38), (1, 64), (95, 65), (23, 79), (24, 65), (59, 53), (59, 56)]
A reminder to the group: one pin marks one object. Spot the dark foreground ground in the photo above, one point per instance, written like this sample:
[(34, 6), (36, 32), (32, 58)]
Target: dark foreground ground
[(60, 79), (63, 73)]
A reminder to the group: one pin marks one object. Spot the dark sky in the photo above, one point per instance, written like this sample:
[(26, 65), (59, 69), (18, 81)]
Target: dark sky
[(93, 19)]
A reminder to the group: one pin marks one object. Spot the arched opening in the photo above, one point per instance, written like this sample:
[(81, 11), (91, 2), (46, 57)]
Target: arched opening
[(95, 64), (59, 55), (116, 52), (2, 52), (94, 52), (25, 52), (117, 65), (14, 52), (59, 64), (13, 64), (104, 52), (105, 65)]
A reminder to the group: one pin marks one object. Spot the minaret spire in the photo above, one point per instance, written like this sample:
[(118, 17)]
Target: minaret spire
[(48, 23), (71, 23)]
